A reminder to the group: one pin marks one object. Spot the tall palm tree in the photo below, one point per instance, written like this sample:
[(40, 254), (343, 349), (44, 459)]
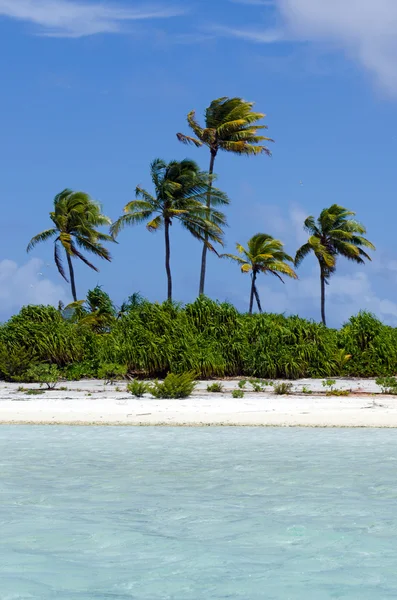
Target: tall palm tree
[(76, 218), (231, 126), (180, 188), (265, 255), (333, 234)]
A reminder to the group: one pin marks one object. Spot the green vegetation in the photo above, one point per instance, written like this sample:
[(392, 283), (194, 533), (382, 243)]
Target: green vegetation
[(210, 339), (215, 388), (174, 386), (283, 389), (76, 217), (44, 374), (333, 235), (137, 388), (388, 385), (238, 393), (111, 372), (264, 255), (231, 125)]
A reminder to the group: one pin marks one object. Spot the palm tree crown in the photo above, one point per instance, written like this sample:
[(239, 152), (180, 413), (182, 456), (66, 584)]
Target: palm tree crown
[(180, 188), (334, 234), (76, 218), (231, 125), (264, 254)]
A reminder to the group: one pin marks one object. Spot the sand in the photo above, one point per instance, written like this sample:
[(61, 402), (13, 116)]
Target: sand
[(94, 403)]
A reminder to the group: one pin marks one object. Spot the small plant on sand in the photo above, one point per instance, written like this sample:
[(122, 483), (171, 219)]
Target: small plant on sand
[(110, 372), (137, 388), (306, 390), (242, 383), (256, 384), (174, 386), (238, 394), (283, 389), (388, 385), (329, 384), (34, 392), (44, 375), (339, 393), (215, 388)]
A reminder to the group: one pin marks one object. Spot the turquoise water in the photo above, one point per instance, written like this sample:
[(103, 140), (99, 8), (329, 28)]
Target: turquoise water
[(197, 514)]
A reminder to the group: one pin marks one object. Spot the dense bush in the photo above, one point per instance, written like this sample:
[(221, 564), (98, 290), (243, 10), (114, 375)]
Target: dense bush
[(205, 337)]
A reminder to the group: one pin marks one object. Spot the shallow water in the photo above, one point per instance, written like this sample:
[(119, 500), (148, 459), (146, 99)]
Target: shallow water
[(191, 514)]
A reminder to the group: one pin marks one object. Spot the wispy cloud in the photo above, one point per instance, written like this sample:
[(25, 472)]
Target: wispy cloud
[(365, 30), (73, 18)]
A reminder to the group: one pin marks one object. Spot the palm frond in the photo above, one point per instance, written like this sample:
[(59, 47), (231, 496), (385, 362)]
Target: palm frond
[(41, 237), (59, 263)]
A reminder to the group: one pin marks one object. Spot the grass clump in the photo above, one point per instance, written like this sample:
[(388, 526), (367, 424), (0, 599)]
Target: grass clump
[(174, 386), (242, 383), (238, 393), (283, 389), (215, 388), (34, 392), (388, 385), (138, 388)]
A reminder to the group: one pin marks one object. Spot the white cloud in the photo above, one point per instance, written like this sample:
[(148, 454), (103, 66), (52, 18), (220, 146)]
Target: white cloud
[(366, 30), (72, 18), (27, 284), (345, 296)]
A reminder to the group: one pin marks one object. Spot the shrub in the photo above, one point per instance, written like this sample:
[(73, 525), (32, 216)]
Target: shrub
[(43, 374), (138, 388), (283, 389), (110, 372), (237, 394), (174, 386), (216, 387), (388, 385), (77, 371)]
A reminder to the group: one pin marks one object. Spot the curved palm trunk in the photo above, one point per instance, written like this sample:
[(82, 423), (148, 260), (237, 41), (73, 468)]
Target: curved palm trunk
[(71, 274), (257, 298), (167, 258), (253, 278), (322, 279), (204, 254)]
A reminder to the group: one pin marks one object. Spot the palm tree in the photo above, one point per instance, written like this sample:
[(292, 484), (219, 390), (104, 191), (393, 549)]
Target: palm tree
[(230, 125), (334, 234), (76, 217), (180, 188), (265, 255)]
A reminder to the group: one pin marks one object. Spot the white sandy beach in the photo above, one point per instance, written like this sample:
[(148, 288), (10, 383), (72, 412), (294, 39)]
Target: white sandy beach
[(93, 403)]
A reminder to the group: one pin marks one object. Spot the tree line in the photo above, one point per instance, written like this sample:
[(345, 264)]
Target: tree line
[(183, 192)]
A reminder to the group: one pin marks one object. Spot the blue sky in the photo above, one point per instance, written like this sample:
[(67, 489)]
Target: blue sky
[(93, 91)]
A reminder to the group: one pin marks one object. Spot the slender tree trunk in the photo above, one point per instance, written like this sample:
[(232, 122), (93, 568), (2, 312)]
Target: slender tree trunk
[(253, 277), (258, 301), (71, 274), (167, 258), (322, 278), (204, 254)]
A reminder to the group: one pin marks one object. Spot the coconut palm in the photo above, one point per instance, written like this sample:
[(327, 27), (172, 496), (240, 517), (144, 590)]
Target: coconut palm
[(180, 188), (265, 255), (231, 126), (76, 218), (333, 234)]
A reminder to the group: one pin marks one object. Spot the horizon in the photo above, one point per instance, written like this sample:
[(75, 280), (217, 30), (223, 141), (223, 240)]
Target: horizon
[(95, 92)]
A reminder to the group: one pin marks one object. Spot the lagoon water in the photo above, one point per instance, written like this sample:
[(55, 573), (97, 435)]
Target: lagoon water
[(197, 514)]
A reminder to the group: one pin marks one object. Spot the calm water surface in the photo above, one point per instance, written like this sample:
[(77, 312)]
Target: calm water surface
[(197, 514)]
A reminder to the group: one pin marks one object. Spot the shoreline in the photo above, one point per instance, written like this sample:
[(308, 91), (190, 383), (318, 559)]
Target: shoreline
[(91, 403)]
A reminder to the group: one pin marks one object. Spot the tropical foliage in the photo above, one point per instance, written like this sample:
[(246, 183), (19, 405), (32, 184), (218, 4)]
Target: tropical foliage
[(334, 234), (76, 218), (180, 188), (231, 125), (263, 255), (206, 338)]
